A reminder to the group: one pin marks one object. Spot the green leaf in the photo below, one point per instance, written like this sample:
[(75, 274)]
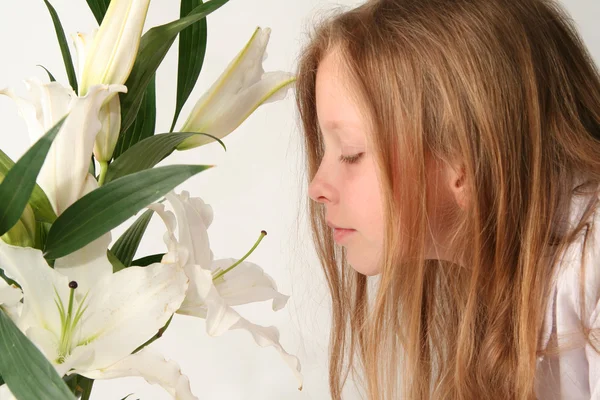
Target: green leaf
[(38, 201), (92, 167), (64, 47), (52, 78), (144, 124), (153, 47), (145, 261), (41, 206), (98, 8), (116, 263), (192, 49), (41, 233), (147, 153), (19, 182), (112, 204), (29, 375), (126, 246)]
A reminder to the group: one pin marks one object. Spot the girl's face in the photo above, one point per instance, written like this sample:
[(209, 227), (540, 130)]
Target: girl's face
[(347, 182)]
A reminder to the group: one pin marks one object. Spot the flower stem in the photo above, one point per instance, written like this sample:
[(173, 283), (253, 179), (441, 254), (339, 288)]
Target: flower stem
[(103, 170), (86, 385)]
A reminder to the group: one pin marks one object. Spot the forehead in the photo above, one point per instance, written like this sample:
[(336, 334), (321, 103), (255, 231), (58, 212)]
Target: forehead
[(338, 110)]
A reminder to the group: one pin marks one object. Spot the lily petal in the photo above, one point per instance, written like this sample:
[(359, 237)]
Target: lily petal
[(153, 367), (127, 308), (242, 88), (106, 140), (66, 168), (88, 265), (203, 301), (247, 283), (269, 336), (221, 318), (47, 342), (89, 185), (48, 103), (194, 217), (40, 283), (10, 299), (83, 43), (9, 295), (111, 56), (177, 254)]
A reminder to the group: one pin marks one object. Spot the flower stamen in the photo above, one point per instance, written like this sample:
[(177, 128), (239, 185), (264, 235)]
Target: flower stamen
[(220, 273), (69, 322)]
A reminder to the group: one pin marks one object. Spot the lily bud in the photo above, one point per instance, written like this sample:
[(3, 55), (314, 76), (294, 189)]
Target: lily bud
[(240, 90), (110, 55), (106, 140)]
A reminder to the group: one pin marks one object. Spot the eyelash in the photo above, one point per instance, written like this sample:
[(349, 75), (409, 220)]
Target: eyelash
[(351, 159)]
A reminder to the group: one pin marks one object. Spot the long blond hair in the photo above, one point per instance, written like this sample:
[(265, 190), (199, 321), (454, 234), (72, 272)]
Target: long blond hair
[(508, 88)]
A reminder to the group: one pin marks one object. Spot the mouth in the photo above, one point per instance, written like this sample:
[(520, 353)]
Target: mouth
[(334, 226), (340, 235)]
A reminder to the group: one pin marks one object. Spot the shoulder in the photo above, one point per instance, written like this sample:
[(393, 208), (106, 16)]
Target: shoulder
[(572, 308), (578, 275)]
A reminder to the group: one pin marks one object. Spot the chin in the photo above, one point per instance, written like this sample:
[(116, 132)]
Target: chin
[(365, 268)]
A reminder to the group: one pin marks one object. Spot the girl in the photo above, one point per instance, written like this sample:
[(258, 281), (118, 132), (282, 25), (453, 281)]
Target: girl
[(453, 149)]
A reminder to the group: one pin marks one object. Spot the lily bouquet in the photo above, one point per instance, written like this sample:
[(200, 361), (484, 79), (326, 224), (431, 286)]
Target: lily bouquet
[(73, 308)]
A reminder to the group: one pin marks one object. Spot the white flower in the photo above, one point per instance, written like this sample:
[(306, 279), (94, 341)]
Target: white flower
[(106, 56), (88, 320), (212, 293), (64, 176), (240, 90), (110, 53)]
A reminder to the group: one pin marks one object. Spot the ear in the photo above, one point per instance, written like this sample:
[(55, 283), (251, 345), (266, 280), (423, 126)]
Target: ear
[(458, 184)]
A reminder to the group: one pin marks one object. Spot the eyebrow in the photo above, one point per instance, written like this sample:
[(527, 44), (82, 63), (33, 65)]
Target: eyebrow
[(334, 126)]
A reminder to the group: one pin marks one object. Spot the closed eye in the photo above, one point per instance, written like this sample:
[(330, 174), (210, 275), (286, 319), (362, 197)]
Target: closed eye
[(351, 159)]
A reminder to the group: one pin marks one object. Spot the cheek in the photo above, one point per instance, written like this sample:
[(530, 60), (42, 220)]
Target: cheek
[(365, 254)]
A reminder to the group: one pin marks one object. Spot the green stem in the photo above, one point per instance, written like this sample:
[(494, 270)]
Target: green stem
[(103, 171), (87, 388)]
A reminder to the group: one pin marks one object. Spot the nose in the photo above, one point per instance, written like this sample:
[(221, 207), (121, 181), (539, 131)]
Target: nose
[(321, 188)]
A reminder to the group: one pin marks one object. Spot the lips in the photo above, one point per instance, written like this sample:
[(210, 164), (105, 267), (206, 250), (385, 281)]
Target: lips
[(340, 235), (334, 226)]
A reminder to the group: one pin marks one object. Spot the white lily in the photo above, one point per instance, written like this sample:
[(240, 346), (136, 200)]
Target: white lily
[(240, 90), (64, 175), (108, 136), (213, 289), (88, 320), (106, 56), (110, 54)]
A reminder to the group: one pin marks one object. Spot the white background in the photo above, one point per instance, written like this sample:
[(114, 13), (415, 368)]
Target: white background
[(257, 184)]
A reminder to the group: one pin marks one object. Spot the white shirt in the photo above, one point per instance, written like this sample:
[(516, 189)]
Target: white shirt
[(575, 373)]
